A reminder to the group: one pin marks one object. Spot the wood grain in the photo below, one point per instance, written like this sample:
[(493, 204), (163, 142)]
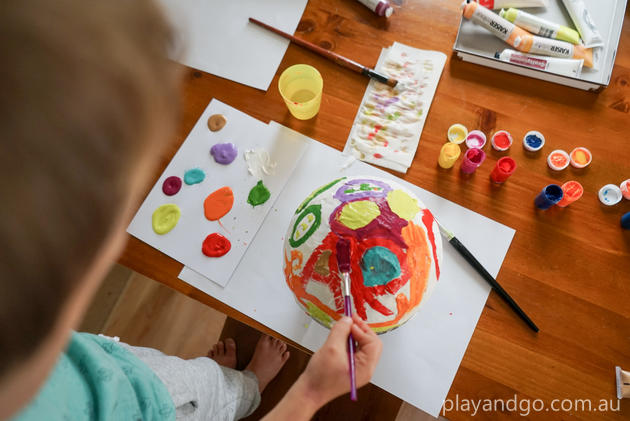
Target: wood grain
[(568, 268)]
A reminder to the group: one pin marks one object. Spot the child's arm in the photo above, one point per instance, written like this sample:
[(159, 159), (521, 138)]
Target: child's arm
[(327, 373)]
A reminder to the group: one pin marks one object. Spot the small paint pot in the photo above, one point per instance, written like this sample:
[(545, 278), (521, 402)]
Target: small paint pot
[(581, 157), (533, 141), (572, 191), (476, 139), (502, 140), (549, 196), (473, 158), (625, 221), (558, 160), (448, 155), (503, 169), (610, 195), (457, 133), (625, 188)]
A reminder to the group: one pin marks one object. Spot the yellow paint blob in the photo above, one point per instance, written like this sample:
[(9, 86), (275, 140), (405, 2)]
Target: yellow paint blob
[(402, 204), (165, 218), (358, 214)]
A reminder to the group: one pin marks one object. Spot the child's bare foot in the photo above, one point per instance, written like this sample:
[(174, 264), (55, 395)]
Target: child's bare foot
[(224, 353), (269, 357)]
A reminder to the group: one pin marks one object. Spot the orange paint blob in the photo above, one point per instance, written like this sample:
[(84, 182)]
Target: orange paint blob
[(218, 203)]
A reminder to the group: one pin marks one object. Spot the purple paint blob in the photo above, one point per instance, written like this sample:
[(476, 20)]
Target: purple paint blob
[(224, 153), (171, 185), (361, 189)]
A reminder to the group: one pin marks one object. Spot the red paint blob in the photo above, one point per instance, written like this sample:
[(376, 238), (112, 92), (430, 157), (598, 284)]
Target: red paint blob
[(215, 245), (427, 220), (171, 185), (378, 155)]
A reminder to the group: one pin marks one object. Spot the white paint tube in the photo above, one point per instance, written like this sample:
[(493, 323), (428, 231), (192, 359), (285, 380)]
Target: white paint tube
[(562, 66), (584, 23), (504, 4)]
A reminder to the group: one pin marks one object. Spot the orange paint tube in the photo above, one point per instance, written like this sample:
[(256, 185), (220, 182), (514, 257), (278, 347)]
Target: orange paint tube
[(523, 40)]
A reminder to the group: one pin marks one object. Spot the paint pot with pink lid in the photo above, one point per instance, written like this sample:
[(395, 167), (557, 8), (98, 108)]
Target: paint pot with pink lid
[(476, 139), (473, 158), (502, 140), (625, 188)]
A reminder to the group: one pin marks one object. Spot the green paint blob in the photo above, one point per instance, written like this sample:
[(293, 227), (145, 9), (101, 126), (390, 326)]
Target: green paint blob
[(317, 192), (258, 195), (379, 266), (194, 176), (319, 315)]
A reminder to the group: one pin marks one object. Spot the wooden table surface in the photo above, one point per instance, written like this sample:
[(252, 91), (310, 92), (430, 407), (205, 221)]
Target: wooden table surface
[(568, 268)]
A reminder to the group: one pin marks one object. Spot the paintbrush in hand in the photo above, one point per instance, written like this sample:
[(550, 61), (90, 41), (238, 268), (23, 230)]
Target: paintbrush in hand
[(343, 262), (340, 60), (466, 254)]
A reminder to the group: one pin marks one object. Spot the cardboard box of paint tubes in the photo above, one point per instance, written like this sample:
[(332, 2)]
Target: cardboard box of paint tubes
[(569, 42)]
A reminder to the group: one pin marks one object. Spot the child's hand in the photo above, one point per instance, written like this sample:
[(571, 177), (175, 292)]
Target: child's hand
[(327, 374)]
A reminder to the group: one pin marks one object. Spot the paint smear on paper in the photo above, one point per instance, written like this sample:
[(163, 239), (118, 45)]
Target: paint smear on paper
[(258, 195), (194, 176), (224, 153), (171, 185), (216, 122), (259, 163), (215, 245), (165, 218), (218, 203)]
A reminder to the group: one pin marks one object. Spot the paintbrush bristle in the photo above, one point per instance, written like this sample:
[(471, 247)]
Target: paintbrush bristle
[(343, 255)]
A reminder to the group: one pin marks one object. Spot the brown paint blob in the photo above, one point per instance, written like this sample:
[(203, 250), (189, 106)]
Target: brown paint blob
[(216, 122), (218, 203)]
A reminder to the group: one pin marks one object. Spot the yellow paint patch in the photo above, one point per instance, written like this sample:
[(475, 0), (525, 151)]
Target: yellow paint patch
[(358, 214), (402, 204), (165, 218)]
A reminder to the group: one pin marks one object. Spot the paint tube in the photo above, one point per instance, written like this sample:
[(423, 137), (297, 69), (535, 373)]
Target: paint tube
[(584, 23), (539, 26), (501, 4), (380, 7), (523, 40), (563, 66)]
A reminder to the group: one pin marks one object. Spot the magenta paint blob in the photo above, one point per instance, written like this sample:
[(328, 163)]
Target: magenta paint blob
[(171, 185), (224, 153), (473, 158)]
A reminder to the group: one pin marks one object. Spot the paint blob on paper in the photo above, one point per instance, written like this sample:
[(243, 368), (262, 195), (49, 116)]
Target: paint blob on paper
[(259, 163), (224, 153), (194, 176), (218, 203), (165, 218), (215, 245), (216, 122), (171, 185), (396, 251), (258, 195)]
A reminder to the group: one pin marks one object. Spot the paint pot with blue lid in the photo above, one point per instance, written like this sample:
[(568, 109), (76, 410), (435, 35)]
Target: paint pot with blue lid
[(625, 221), (533, 141), (610, 194), (549, 196)]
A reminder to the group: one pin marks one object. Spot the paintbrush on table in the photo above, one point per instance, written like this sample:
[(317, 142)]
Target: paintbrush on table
[(340, 60), (343, 262), (466, 254)]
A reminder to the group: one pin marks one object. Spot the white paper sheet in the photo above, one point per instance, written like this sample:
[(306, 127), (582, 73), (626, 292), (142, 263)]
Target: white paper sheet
[(216, 37), (240, 225), (420, 358), (389, 123)]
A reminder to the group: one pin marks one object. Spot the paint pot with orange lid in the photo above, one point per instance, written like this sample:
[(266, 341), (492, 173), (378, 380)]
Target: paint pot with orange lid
[(625, 188), (580, 157), (504, 168), (448, 155), (572, 191), (558, 160), (473, 158), (502, 140)]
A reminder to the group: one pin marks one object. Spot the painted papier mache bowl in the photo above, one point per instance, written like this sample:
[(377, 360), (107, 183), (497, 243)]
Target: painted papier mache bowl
[(395, 244)]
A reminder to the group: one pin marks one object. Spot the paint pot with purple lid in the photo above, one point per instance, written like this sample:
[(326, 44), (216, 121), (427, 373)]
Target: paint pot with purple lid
[(473, 158), (502, 140), (549, 196), (533, 141), (476, 139), (610, 194), (380, 7), (625, 221)]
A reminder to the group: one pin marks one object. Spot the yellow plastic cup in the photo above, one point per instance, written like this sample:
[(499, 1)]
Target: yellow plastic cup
[(301, 88)]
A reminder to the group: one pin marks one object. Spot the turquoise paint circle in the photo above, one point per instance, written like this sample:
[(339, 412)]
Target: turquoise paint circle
[(379, 266), (194, 176)]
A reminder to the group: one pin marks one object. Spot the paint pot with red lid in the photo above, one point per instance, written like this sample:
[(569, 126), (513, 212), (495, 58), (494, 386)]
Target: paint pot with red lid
[(558, 160), (503, 169), (572, 191), (549, 196), (473, 158), (502, 140)]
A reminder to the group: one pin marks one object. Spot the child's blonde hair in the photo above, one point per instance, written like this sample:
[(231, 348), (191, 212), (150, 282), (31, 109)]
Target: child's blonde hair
[(81, 83)]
